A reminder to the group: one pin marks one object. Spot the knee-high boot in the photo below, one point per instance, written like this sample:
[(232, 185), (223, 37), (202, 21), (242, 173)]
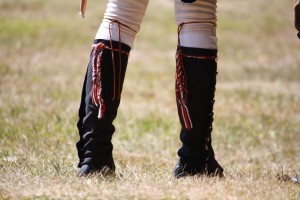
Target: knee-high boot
[(99, 104), (195, 88)]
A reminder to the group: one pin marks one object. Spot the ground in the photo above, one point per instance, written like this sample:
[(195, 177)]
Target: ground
[(44, 50)]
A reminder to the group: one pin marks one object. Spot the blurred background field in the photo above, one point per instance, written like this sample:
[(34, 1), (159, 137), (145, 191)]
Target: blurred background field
[(44, 50)]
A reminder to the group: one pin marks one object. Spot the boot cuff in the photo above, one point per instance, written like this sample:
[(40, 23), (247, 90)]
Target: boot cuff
[(198, 51), (115, 44)]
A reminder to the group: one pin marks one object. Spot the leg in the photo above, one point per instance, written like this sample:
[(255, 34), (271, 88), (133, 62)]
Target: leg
[(195, 86), (297, 17), (102, 87)]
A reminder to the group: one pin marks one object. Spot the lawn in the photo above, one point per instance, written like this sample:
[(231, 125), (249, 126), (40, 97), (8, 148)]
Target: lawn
[(44, 50)]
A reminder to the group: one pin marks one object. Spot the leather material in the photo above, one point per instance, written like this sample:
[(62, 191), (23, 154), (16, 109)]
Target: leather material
[(95, 146), (197, 154)]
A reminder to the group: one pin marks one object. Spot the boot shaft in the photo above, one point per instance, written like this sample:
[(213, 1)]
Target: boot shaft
[(195, 91), (100, 101), (107, 68), (196, 72)]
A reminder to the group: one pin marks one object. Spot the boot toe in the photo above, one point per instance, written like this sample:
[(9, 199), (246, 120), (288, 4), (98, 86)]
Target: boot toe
[(88, 170), (211, 170), (85, 170), (181, 170), (214, 169)]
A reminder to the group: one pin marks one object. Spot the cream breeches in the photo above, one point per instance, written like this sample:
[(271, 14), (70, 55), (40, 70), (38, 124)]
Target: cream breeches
[(131, 12)]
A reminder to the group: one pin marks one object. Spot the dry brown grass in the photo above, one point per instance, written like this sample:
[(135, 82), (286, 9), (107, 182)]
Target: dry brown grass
[(44, 47)]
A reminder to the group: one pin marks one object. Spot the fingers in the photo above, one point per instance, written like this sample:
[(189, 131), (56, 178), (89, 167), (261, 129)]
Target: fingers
[(82, 7)]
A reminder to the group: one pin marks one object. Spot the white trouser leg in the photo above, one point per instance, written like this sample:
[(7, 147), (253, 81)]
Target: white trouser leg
[(198, 35), (128, 12)]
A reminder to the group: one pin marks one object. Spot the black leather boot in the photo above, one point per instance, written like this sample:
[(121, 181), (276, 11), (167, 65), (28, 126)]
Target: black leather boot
[(99, 104), (296, 179), (195, 88)]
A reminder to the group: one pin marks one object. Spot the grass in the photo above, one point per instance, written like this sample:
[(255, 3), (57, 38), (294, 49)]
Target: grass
[(44, 48)]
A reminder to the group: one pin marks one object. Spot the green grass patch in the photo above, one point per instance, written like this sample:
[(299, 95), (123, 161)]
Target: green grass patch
[(44, 51)]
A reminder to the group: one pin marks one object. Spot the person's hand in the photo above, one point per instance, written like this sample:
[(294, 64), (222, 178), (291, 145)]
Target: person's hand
[(82, 7)]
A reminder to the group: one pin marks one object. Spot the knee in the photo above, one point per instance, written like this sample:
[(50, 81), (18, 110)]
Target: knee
[(197, 24)]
